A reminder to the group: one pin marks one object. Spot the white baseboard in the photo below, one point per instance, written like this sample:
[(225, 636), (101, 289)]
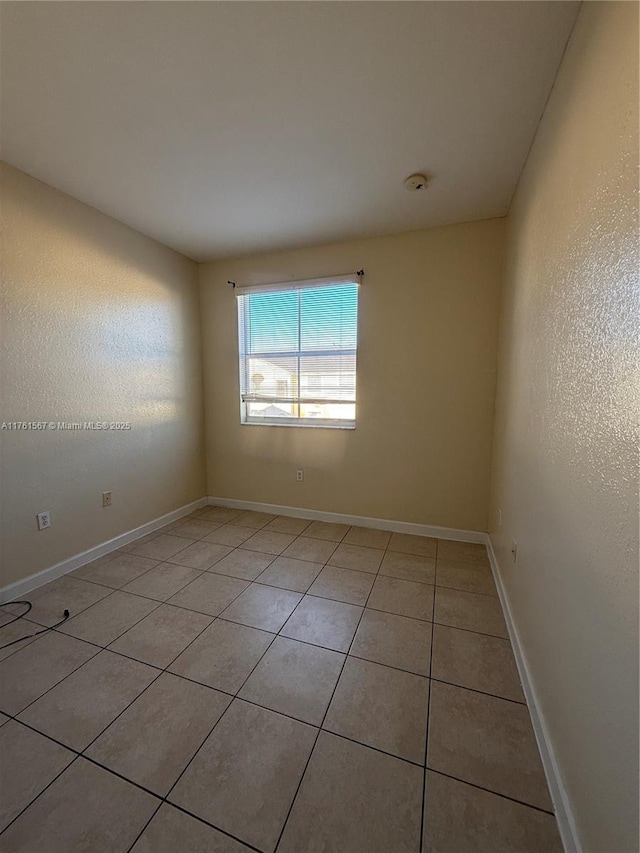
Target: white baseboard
[(360, 520), (22, 587), (561, 804)]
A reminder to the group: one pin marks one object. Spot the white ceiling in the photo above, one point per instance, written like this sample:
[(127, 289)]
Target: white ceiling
[(224, 128)]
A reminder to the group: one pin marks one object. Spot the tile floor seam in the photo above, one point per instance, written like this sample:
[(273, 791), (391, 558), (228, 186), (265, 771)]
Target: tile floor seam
[(190, 538), (157, 603), (115, 588), (328, 598), (275, 636), (82, 610), (95, 645), (40, 793), (423, 800), (201, 683), (409, 580), (234, 696), (471, 631), (182, 809), (213, 619), (374, 748), (283, 713), (210, 571), (226, 607), (88, 642), (297, 640), (368, 547), (231, 696), (393, 612), (469, 591), (32, 728), (389, 665), (475, 690), (163, 563), (188, 764), (113, 772), (100, 648), (130, 657), (162, 800), (82, 751), (106, 648), (320, 539), (223, 557), (352, 568), (491, 791), (135, 699), (142, 831), (458, 589), (42, 629), (322, 722)]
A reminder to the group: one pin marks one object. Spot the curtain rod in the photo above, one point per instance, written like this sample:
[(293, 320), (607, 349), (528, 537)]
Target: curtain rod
[(291, 284)]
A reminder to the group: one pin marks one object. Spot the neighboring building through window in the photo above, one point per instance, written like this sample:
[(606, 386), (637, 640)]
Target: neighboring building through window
[(298, 344)]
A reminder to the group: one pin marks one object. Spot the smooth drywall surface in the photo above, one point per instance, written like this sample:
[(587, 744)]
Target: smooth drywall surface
[(428, 313), (100, 324), (565, 460)]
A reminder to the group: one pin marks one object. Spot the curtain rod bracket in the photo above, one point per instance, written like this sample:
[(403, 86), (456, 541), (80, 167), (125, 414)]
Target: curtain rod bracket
[(232, 283), (360, 272)]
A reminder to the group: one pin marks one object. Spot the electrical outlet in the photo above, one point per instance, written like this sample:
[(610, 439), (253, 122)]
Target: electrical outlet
[(300, 475), (499, 518), (106, 499), (44, 520), (514, 551)]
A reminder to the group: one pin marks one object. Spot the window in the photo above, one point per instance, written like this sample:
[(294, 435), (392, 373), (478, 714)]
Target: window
[(298, 345)]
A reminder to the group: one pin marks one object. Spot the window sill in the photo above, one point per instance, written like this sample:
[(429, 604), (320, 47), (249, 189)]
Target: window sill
[(280, 423)]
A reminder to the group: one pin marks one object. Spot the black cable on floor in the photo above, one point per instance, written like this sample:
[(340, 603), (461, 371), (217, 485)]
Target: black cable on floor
[(21, 616)]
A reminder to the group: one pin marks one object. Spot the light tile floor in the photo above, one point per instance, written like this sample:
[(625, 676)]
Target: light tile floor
[(239, 681)]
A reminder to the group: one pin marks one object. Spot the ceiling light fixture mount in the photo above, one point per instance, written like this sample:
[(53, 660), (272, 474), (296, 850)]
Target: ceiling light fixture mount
[(415, 182)]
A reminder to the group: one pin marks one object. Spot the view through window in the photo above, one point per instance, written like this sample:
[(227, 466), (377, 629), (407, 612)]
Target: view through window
[(298, 344)]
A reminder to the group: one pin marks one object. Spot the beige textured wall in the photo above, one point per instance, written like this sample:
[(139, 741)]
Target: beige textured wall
[(428, 315), (99, 324), (565, 458)]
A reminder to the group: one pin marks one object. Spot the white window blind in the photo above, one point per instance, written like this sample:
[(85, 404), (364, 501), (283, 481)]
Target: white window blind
[(298, 344)]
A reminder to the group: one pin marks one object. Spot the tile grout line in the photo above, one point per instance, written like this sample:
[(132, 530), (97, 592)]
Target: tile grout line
[(103, 648), (91, 760), (128, 628), (115, 588), (275, 635), (100, 649), (166, 602), (495, 793), (208, 823), (75, 669), (213, 619), (233, 698), (274, 557), (70, 617), (153, 814), (40, 793), (423, 799), (130, 656), (219, 829), (210, 570), (324, 717), (236, 696)]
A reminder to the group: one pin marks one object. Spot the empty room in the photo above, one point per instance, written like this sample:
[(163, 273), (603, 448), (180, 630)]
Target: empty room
[(319, 401)]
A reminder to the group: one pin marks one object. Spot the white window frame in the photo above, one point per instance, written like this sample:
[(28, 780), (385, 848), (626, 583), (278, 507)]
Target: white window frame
[(304, 423)]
